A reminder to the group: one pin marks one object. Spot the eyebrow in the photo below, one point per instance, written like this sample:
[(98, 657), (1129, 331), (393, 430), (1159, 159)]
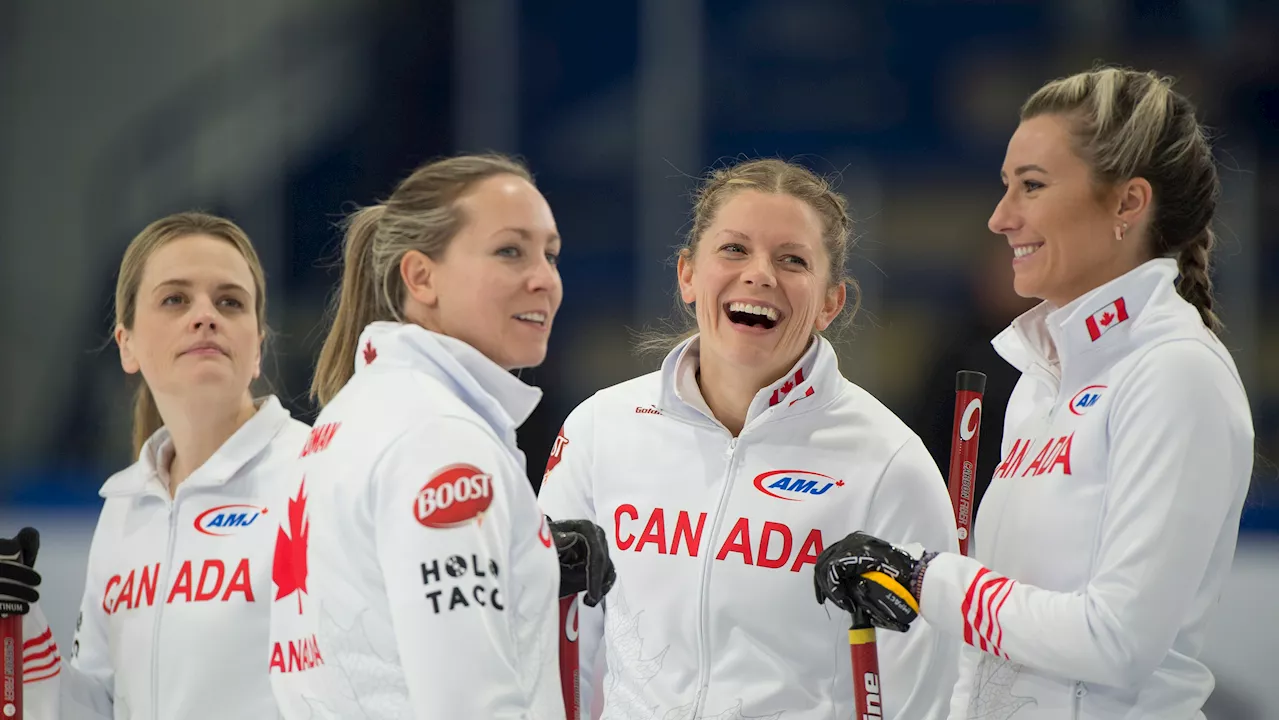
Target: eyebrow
[(1023, 169), (183, 283), (790, 245), (525, 234)]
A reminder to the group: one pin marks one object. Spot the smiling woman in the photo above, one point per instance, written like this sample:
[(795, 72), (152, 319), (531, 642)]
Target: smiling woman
[(751, 445), (433, 590), (1093, 575)]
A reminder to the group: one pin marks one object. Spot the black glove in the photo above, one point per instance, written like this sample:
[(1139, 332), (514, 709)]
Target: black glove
[(869, 574), (18, 582), (584, 559)]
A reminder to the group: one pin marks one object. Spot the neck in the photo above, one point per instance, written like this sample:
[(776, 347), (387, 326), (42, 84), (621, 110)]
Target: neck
[(729, 390), (198, 428), (1084, 288)]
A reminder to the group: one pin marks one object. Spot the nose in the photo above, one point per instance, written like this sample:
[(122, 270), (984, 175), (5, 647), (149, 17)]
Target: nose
[(204, 315), (759, 271), (544, 276), (1004, 219)]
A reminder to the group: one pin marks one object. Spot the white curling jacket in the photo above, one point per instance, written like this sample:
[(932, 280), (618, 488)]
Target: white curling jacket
[(1109, 528), (177, 593), (416, 577), (714, 539)]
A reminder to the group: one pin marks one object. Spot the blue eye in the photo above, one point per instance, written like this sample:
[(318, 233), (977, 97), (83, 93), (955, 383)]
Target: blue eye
[(171, 299), (553, 258), (233, 302), (796, 260), (510, 251), (1032, 185)]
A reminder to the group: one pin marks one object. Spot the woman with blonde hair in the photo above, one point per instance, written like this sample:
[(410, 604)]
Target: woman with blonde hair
[(179, 572), (721, 477), (1108, 530), (417, 578)]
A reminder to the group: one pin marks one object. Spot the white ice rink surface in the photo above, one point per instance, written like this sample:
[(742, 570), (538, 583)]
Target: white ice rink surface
[(1243, 650)]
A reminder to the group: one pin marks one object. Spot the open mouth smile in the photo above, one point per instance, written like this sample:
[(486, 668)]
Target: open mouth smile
[(753, 314)]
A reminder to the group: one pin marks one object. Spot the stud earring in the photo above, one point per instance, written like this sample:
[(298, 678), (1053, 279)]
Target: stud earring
[(1121, 229)]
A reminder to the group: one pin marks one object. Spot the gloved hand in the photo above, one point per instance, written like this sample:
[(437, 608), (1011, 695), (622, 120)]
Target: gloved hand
[(584, 559), (18, 582), (867, 573)]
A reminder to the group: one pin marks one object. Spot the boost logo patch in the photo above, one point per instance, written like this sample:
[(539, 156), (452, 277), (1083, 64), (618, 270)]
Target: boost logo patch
[(456, 495)]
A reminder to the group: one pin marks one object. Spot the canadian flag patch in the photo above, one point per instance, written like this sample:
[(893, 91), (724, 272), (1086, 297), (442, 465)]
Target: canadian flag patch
[(1108, 317)]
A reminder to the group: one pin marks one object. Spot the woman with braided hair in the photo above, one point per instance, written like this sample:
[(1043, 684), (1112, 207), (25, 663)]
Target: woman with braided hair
[(1108, 530)]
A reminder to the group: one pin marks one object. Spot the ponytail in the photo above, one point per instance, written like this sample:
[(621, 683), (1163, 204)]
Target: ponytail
[(146, 418), (357, 303), (1194, 284), (421, 216)]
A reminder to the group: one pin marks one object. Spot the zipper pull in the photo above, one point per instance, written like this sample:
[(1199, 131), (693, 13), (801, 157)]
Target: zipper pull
[(733, 443)]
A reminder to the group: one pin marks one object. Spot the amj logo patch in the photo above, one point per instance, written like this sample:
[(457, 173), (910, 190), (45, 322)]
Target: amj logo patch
[(795, 485), (1085, 399), (226, 520)]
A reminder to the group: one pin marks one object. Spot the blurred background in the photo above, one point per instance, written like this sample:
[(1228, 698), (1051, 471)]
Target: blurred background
[(285, 115)]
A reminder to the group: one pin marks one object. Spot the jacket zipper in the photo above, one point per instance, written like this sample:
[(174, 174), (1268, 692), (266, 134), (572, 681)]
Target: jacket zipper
[(164, 588), (1078, 692), (704, 605)]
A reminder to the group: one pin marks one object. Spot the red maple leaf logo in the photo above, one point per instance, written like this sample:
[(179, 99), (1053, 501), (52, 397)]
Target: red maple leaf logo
[(839, 483), (369, 353), (1107, 317), (289, 567)]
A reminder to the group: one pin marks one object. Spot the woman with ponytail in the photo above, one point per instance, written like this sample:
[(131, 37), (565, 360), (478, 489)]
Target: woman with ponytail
[(1107, 533), (180, 565), (415, 576)]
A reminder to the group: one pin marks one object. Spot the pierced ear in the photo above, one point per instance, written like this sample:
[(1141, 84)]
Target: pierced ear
[(831, 306), (1135, 199), (417, 273), (128, 362), (684, 275)]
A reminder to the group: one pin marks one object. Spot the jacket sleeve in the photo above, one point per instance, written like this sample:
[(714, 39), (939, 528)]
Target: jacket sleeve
[(1181, 450), (566, 494), (41, 666), (911, 505), (87, 689), (442, 512), (54, 689)]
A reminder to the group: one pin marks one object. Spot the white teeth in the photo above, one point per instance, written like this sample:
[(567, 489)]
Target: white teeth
[(754, 310), (537, 317), (1025, 250)]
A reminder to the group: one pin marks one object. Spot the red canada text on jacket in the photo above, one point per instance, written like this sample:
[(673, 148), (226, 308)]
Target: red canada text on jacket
[(201, 581), (302, 654), (1055, 453), (764, 543), (319, 439)]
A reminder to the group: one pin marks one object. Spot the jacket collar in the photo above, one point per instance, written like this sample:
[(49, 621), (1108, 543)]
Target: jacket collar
[(813, 381), (245, 444), (1103, 320), (502, 399)]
